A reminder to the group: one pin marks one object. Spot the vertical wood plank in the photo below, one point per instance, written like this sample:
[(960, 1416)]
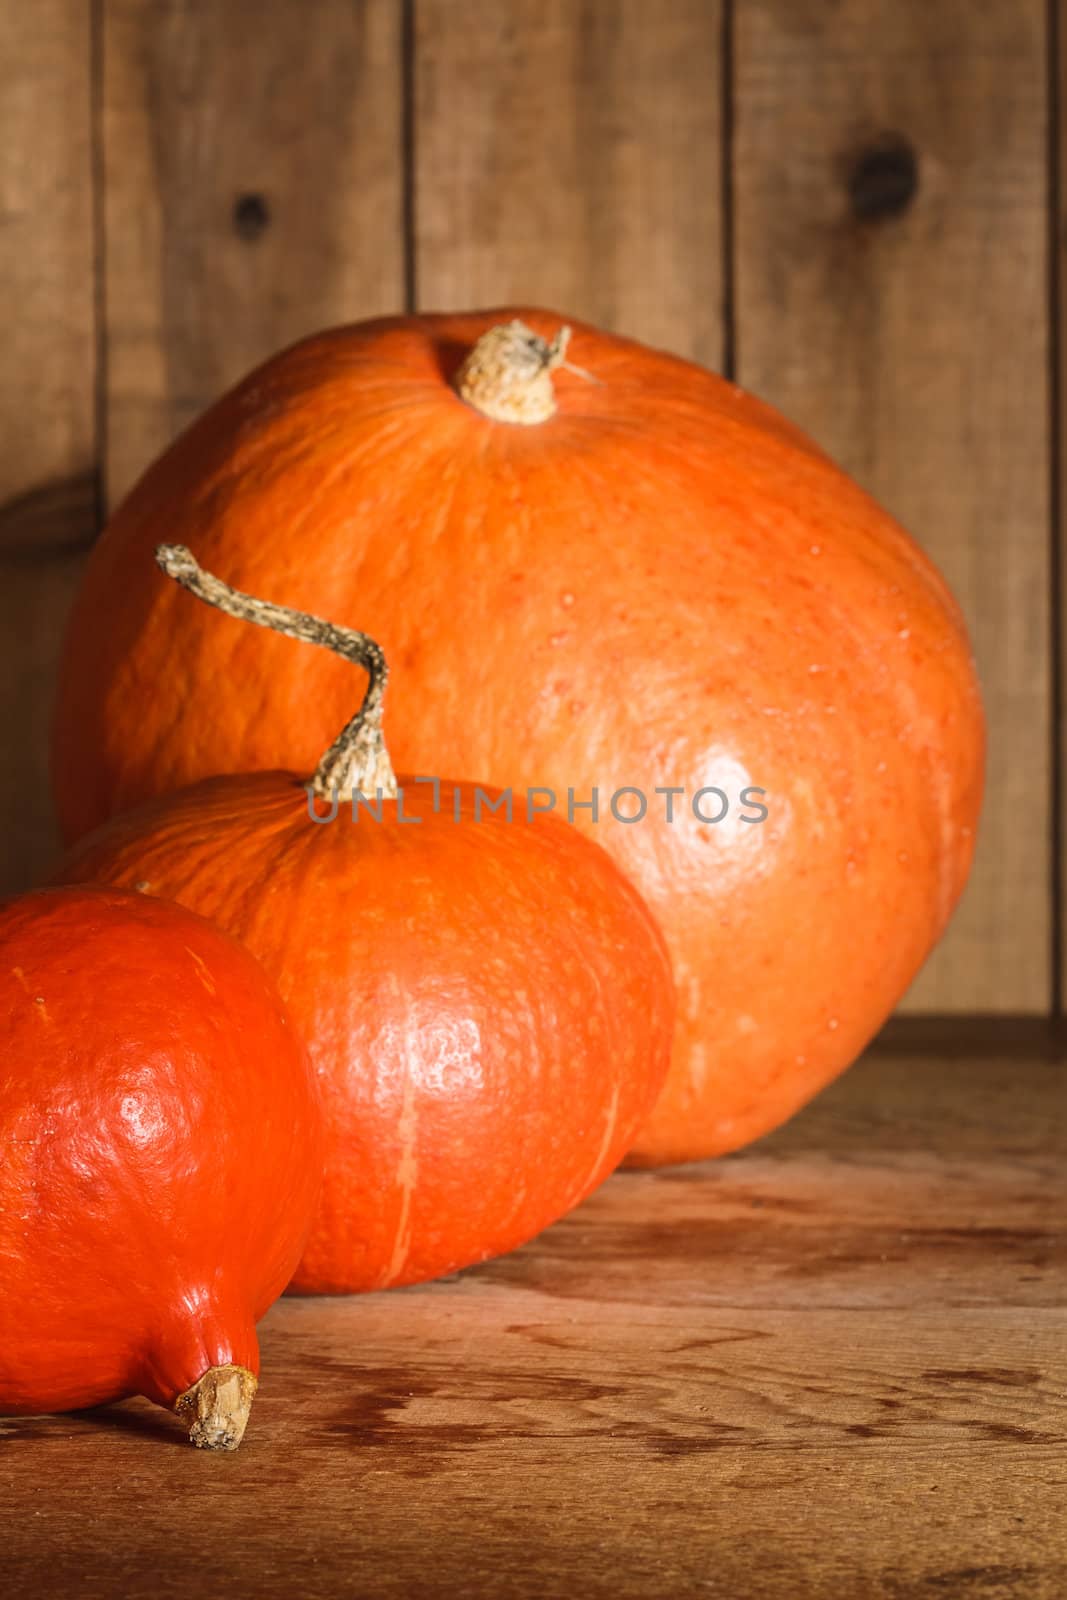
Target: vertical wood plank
[(47, 403), (1058, 286), (900, 315), (254, 176), (568, 154)]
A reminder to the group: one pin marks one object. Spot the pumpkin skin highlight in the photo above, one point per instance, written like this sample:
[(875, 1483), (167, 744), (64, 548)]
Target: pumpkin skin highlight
[(161, 1134), (488, 1004), (663, 584)]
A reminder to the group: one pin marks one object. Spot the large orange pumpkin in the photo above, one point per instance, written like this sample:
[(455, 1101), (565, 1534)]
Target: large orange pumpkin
[(624, 573)]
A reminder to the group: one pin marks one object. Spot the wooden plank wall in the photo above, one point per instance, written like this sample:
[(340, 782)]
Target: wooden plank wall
[(570, 155), (254, 191), (845, 205), (892, 296), (49, 446)]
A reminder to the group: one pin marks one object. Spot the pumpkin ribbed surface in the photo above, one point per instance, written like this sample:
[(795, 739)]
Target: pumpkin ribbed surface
[(488, 1003)]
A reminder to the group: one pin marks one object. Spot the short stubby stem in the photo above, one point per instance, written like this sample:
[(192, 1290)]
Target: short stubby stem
[(508, 374), (216, 1408)]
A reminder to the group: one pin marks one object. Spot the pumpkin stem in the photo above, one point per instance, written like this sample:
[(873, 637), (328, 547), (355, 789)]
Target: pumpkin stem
[(357, 761), (507, 375), (217, 1406)]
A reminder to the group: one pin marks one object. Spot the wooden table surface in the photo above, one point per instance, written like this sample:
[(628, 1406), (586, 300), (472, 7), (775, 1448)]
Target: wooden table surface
[(834, 1365)]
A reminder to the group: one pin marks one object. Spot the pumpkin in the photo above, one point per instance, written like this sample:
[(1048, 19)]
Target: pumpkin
[(614, 573), (487, 1000), (160, 1131)]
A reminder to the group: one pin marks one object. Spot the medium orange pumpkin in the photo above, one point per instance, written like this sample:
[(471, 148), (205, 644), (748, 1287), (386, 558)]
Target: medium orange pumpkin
[(160, 1138), (486, 999), (623, 574)]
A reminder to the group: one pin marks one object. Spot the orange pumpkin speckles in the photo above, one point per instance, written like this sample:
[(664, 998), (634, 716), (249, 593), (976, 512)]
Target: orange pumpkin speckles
[(714, 555), (160, 1135)]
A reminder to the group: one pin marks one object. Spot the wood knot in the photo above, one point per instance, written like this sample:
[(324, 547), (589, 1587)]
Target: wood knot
[(884, 179), (251, 217)]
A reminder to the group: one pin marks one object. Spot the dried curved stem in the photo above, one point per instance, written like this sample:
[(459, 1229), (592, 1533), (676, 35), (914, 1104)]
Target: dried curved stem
[(357, 761)]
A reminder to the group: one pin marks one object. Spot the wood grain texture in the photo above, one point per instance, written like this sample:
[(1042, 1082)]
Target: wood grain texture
[(909, 333), (1058, 285), (834, 1365), (254, 193), (48, 485), (568, 155)]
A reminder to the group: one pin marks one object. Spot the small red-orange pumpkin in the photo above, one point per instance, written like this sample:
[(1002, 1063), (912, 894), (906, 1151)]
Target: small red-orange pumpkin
[(643, 579), (159, 1158), (486, 999)]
